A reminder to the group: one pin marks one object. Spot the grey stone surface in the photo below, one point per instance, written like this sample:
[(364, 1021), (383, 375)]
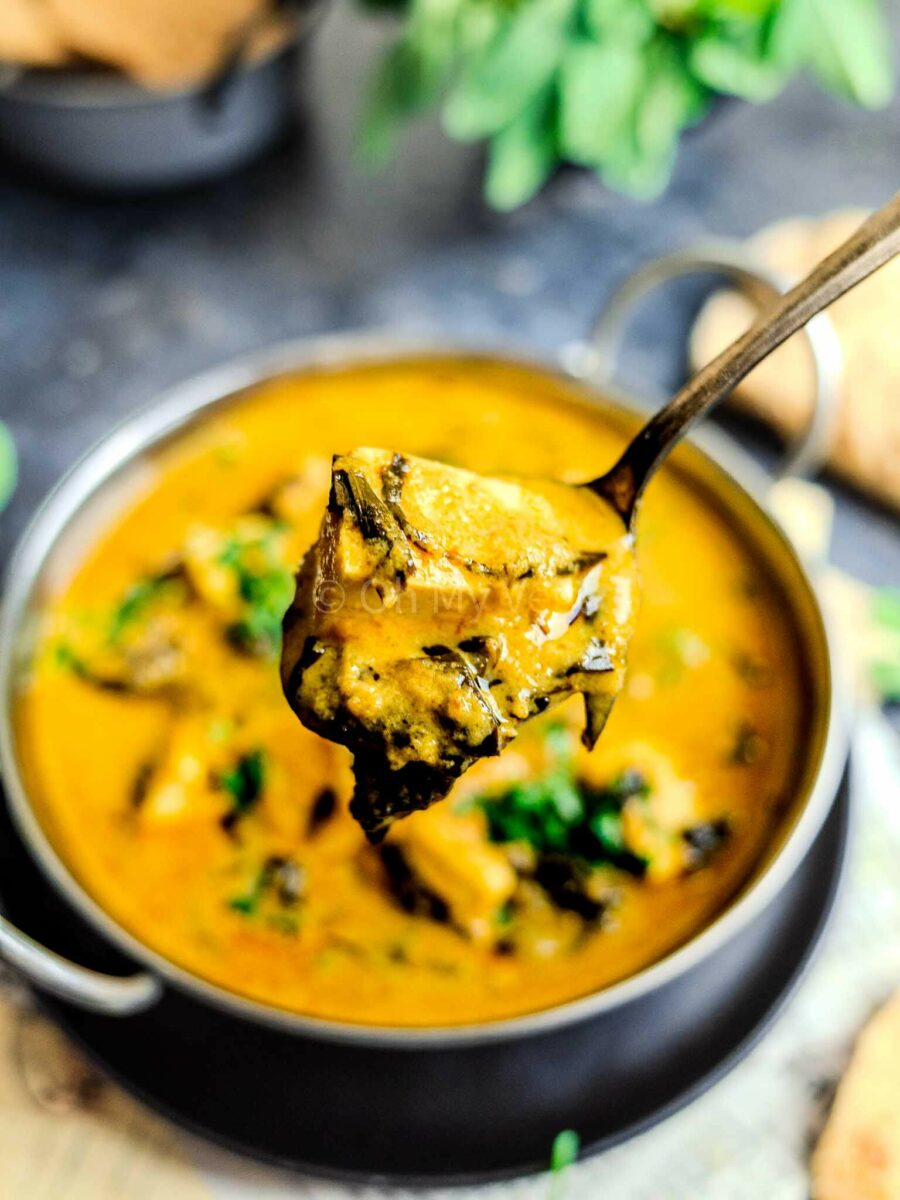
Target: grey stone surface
[(105, 301)]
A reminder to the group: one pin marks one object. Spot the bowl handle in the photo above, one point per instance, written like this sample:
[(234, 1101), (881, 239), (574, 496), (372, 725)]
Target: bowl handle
[(109, 994), (805, 453)]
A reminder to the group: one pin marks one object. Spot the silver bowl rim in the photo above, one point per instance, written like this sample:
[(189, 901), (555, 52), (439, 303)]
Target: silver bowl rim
[(178, 406)]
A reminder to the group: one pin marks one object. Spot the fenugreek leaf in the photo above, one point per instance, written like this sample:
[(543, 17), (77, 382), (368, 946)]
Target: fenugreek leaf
[(514, 70), (399, 90), (735, 68), (599, 87), (624, 21), (521, 157), (844, 43), (668, 101)]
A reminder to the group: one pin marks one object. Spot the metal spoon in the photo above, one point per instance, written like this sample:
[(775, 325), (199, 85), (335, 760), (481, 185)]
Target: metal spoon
[(875, 242)]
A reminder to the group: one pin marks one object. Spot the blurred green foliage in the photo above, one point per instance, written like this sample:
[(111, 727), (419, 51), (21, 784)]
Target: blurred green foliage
[(608, 84), (8, 465)]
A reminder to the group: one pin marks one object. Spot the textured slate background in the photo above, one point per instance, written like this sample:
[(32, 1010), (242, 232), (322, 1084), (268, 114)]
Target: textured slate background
[(103, 302)]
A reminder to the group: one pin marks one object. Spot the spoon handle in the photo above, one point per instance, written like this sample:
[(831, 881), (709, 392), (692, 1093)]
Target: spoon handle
[(875, 242)]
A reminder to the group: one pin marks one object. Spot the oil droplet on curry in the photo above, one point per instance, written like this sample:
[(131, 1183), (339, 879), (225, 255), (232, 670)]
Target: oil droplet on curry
[(183, 794)]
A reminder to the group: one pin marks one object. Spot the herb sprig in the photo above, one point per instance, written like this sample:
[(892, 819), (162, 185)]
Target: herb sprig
[(280, 880), (243, 782), (558, 815), (265, 589), (609, 84), (563, 1154), (140, 598)]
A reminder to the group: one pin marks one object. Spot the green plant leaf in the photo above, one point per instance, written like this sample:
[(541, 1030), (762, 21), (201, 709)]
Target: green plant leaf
[(733, 69), (397, 92), (740, 9), (852, 52), (599, 89), (677, 14), (411, 75), (625, 21), (789, 35), (521, 157), (516, 67), (8, 466), (616, 80), (669, 100), (476, 25), (844, 43)]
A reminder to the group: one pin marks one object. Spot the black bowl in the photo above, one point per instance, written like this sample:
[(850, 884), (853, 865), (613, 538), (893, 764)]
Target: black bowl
[(106, 134)]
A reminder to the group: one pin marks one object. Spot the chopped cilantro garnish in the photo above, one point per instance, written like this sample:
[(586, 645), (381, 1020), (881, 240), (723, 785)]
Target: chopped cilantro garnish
[(558, 815), (281, 880), (249, 901), (566, 1146), (137, 600), (606, 826), (564, 1152), (66, 659), (265, 588), (244, 784)]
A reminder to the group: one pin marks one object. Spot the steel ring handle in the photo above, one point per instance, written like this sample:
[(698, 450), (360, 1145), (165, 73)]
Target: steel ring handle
[(806, 452), (109, 994), (94, 991)]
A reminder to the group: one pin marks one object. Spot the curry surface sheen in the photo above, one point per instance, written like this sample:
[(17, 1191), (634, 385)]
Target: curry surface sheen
[(181, 791)]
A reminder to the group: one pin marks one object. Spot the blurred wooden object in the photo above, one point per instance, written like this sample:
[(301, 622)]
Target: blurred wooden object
[(162, 43), (866, 441), (858, 1155), (67, 1133), (29, 35)]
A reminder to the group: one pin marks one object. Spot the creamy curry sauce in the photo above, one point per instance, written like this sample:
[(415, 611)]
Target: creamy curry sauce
[(184, 795)]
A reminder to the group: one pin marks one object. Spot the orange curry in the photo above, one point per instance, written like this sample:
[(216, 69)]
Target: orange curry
[(183, 794)]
